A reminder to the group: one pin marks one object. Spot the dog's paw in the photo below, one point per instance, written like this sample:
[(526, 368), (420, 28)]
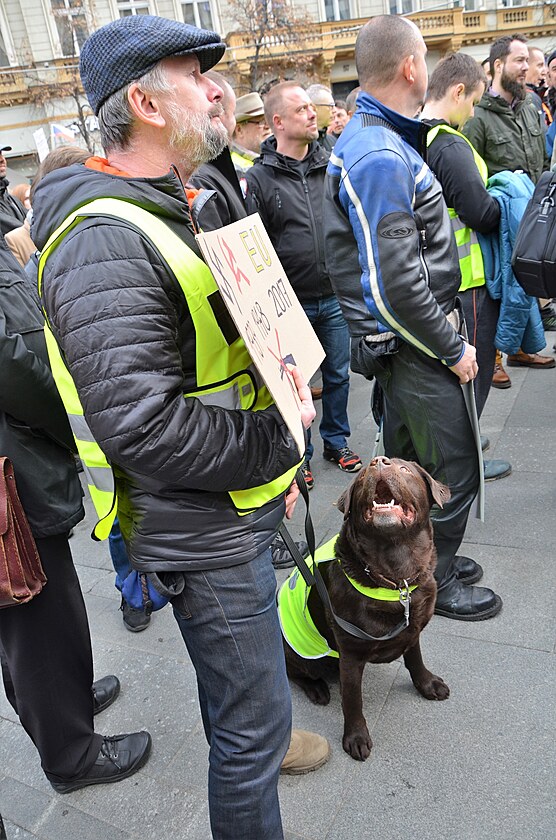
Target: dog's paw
[(433, 688), (318, 692), (358, 745)]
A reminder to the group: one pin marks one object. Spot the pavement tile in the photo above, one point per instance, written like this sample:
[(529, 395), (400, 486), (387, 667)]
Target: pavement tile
[(517, 513), (486, 750), (142, 807), (19, 758), (15, 832), (527, 618)]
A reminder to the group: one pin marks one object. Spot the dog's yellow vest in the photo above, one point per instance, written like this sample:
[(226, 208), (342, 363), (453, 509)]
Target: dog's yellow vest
[(296, 623)]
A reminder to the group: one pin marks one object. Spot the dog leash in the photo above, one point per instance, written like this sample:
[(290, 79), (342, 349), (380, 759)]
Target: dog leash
[(313, 577)]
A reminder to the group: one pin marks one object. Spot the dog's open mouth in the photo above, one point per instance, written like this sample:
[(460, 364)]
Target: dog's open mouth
[(386, 509)]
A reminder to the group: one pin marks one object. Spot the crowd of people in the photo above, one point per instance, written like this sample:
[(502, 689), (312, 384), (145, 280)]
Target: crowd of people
[(381, 208)]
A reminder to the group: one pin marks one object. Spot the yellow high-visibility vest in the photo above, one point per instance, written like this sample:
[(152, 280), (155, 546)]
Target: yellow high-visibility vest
[(469, 251), (225, 374)]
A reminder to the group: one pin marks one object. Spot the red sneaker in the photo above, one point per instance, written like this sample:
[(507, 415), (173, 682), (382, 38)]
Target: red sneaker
[(308, 475), (346, 459)]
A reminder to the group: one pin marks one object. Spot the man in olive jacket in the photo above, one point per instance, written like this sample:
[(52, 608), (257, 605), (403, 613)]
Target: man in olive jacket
[(506, 130)]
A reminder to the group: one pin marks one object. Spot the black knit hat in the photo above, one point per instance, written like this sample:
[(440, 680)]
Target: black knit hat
[(550, 58), (122, 51)]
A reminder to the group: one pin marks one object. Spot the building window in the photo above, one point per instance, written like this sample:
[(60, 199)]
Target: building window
[(4, 60), (198, 13), (71, 23), (403, 7), (133, 7), (337, 10)]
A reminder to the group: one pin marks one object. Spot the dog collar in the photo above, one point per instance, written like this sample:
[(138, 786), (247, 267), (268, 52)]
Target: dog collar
[(379, 593)]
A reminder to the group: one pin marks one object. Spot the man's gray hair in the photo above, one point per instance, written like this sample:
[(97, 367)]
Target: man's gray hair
[(116, 119), (312, 91), (382, 44)]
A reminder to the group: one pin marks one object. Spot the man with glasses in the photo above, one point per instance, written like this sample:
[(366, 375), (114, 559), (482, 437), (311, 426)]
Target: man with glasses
[(250, 131)]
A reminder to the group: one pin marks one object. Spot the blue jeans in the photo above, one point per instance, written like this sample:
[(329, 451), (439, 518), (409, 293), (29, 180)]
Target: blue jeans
[(229, 623), (328, 322), (118, 554)]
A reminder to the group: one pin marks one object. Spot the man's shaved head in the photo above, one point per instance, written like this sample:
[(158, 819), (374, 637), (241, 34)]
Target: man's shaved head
[(381, 46)]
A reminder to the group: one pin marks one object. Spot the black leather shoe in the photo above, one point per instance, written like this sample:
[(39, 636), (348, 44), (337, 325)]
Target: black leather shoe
[(120, 756), (495, 469), (467, 603), (105, 692), (485, 443), (467, 571)]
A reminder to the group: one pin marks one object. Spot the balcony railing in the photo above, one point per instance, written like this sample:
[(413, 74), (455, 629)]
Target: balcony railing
[(22, 84), (451, 23)]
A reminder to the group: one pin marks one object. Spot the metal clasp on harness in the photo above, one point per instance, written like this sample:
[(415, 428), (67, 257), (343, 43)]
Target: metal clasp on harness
[(405, 600)]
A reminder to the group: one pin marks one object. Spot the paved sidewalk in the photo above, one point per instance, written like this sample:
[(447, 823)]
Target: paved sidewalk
[(479, 766)]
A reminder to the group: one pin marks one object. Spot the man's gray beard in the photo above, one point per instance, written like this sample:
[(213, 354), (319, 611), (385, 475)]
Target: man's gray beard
[(194, 138), (517, 90)]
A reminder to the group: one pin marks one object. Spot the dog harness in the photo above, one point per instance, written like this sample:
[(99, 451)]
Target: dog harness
[(298, 628)]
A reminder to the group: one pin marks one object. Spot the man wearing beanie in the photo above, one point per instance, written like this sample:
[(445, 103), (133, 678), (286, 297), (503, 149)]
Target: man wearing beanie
[(170, 405)]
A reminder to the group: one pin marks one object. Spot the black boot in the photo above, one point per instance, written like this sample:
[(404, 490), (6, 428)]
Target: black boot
[(466, 603), (467, 571)]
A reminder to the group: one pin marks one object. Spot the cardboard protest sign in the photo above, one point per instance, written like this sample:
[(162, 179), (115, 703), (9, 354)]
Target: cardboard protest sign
[(265, 310)]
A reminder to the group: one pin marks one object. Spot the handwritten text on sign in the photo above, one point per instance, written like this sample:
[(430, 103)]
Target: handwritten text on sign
[(266, 311)]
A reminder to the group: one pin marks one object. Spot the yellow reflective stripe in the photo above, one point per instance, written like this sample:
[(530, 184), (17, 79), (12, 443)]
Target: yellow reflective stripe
[(469, 251), (378, 593), (244, 500)]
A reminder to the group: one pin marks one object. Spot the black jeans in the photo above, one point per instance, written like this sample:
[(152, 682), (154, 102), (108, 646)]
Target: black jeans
[(425, 420), (47, 666)]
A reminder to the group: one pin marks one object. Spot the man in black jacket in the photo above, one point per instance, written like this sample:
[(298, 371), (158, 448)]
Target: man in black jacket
[(45, 646), (456, 85), (285, 185), (202, 480), (12, 211)]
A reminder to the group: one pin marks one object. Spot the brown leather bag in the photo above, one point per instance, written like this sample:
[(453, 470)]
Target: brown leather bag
[(21, 573)]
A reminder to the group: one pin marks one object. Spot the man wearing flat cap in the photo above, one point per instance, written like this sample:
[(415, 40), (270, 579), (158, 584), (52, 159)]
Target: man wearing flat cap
[(12, 211), (168, 405), (250, 131)]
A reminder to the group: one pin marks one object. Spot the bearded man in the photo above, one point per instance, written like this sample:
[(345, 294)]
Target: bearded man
[(201, 458), (507, 133), (506, 130)]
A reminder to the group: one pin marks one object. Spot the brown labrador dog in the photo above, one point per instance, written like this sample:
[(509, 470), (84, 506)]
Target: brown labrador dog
[(385, 542)]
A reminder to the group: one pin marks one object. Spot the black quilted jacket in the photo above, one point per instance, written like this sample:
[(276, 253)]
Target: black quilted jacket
[(125, 330)]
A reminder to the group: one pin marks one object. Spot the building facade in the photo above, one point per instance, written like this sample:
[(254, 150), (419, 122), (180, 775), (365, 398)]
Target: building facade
[(40, 92)]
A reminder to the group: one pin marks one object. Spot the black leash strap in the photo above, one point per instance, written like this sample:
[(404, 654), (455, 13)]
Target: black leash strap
[(313, 577)]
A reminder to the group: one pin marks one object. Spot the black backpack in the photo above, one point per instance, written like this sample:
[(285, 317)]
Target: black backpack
[(534, 254)]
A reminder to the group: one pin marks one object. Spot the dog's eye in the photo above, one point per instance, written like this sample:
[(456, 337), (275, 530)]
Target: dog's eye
[(405, 469)]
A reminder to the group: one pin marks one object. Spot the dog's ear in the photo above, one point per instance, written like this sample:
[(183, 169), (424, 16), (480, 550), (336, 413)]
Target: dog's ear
[(344, 502), (440, 493)]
